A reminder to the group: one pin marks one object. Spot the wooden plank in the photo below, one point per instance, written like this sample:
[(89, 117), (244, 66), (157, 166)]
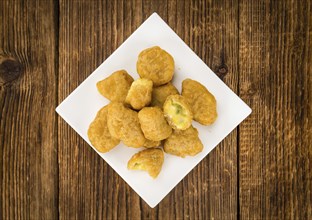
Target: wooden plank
[(275, 78), (28, 149), (210, 190), (89, 33)]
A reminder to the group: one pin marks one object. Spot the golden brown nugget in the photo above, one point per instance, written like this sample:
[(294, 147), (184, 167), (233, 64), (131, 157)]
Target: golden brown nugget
[(150, 144), (115, 117), (155, 64), (140, 93), (98, 132), (150, 160), (132, 134), (116, 86), (183, 143), (154, 124), (203, 104), (177, 112), (123, 123), (160, 94)]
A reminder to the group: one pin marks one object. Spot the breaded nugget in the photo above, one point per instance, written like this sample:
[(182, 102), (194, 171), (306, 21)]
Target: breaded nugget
[(160, 94), (116, 86), (203, 104), (98, 132), (177, 112), (123, 123), (132, 134), (150, 144), (183, 143), (115, 117), (154, 124), (155, 64), (140, 93), (150, 160)]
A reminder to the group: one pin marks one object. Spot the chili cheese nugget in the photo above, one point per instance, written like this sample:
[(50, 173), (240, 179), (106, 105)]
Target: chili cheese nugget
[(203, 104), (178, 112), (98, 132), (150, 144), (154, 124), (116, 86), (150, 160), (183, 143), (123, 123), (155, 64), (160, 94), (140, 93)]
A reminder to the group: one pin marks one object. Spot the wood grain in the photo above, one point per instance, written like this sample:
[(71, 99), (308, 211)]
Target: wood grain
[(210, 190), (275, 80), (28, 153), (120, 24), (89, 33), (260, 49)]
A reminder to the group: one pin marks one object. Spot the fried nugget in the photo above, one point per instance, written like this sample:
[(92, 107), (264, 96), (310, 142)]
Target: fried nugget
[(132, 134), (154, 124), (155, 64), (115, 117), (150, 144), (183, 143), (160, 94), (140, 93), (98, 132), (116, 86), (177, 112), (150, 160), (203, 104), (123, 123)]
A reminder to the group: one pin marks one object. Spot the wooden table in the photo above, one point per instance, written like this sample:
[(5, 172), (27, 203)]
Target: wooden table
[(261, 49)]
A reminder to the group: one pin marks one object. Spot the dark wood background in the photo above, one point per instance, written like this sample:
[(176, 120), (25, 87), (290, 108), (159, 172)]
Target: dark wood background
[(261, 49)]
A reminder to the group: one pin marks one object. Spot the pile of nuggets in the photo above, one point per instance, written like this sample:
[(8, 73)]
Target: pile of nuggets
[(149, 112)]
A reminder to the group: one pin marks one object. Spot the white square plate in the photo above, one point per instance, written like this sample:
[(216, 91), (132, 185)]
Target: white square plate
[(81, 106)]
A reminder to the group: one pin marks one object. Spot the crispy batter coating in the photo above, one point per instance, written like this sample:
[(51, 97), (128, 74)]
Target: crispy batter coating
[(150, 144), (140, 93), (98, 132), (177, 112), (154, 124), (116, 86), (115, 116), (123, 123), (160, 94), (183, 143), (132, 134), (203, 104), (150, 160), (155, 64)]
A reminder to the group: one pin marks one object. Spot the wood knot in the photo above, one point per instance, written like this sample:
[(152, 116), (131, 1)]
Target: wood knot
[(10, 69), (248, 89), (222, 70)]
